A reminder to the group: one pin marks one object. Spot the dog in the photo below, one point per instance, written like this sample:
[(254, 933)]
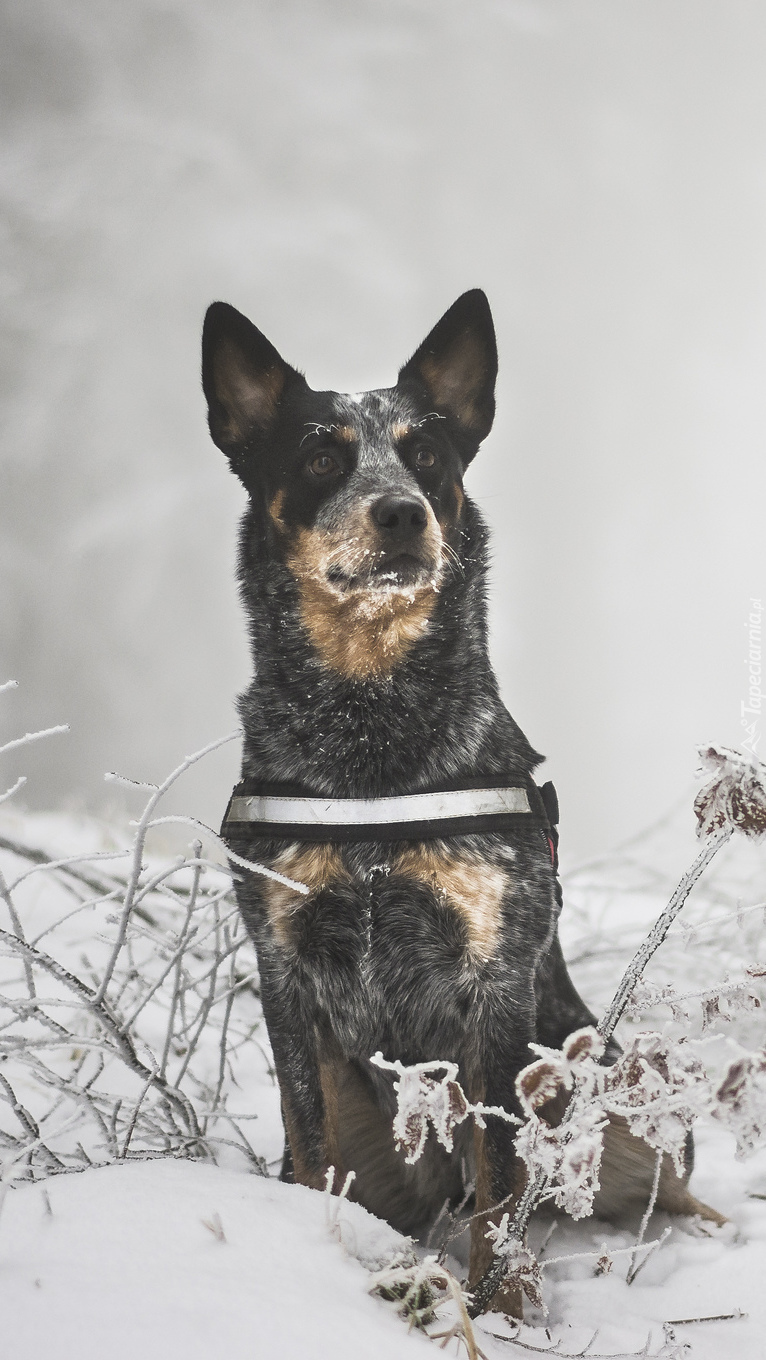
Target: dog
[(424, 935)]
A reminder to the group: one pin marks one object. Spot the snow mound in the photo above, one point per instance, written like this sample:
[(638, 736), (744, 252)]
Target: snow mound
[(177, 1259)]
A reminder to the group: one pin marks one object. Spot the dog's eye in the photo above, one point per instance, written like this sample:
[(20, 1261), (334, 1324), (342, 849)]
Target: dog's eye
[(424, 458), (323, 464)]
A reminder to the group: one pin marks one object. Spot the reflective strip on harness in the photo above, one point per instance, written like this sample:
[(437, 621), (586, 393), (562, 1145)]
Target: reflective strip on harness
[(413, 807)]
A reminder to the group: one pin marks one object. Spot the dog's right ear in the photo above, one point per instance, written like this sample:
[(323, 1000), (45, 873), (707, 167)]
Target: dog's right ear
[(243, 377)]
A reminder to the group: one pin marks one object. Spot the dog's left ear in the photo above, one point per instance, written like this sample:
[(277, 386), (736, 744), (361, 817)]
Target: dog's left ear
[(457, 365)]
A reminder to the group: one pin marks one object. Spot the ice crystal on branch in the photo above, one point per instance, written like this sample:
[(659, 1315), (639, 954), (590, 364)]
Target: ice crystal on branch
[(735, 794)]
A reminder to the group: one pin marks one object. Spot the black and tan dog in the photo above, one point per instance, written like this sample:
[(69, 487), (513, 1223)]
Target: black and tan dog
[(362, 570)]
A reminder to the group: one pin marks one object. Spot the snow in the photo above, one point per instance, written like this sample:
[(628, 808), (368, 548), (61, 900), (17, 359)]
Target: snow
[(129, 1258), (124, 1265)]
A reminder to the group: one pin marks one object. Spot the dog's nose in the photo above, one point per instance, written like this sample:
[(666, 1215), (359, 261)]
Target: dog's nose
[(401, 516)]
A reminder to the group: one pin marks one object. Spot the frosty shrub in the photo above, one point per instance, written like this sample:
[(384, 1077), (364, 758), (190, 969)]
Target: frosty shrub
[(659, 1084), (127, 1018)]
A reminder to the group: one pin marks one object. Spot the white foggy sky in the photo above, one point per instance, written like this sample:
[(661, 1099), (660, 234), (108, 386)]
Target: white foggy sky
[(341, 171)]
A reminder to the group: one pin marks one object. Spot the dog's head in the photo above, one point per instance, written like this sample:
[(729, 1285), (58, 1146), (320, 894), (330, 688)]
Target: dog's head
[(359, 497)]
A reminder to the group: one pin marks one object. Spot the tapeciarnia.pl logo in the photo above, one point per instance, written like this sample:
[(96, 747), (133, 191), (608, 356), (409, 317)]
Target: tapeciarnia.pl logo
[(751, 708)]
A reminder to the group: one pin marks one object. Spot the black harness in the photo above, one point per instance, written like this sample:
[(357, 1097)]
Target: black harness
[(289, 812)]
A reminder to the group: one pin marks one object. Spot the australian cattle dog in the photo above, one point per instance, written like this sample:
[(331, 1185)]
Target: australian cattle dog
[(382, 772)]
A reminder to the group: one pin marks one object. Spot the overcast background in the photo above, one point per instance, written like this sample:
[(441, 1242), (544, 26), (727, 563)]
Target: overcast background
[(341, 171)]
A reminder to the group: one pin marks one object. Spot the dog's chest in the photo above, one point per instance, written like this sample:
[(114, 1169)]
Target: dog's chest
[(403, 950), (424, 889)]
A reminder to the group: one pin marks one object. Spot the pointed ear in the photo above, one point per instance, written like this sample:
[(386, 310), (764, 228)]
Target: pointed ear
[(243, 377), (457, 364)]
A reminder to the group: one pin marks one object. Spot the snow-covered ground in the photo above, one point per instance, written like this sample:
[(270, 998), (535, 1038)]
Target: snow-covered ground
[(120, 1261), (130, 1261), (177, 1258)]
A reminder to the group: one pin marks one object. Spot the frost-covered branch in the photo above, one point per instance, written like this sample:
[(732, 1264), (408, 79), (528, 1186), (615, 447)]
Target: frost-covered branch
[(133, 1045), (29, 737), (656, 1086), (423, 1101), (138, 850), (658, 933)]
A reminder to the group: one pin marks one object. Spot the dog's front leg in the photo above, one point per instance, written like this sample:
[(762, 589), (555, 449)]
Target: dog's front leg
[(500, 1174), (308, 1081), (500, 1179)]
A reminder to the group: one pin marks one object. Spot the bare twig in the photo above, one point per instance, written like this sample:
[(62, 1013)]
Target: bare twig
[(5, 893), (713, 1317), (14, 788), (103, 1013), (654, 1246), (254, 868), (632, 1272), (556, 1350), (654, 939), (138, 851), (29, 737)]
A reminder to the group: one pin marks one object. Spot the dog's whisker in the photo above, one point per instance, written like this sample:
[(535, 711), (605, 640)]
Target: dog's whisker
[(453, 561)]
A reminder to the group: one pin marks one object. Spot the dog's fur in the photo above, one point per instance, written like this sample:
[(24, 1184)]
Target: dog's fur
[(362, 570)]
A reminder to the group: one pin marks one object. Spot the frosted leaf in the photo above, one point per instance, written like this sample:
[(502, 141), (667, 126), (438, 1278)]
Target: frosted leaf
[(644, 996), (523, 1267), (659, 1087), (673, 1349), (425, 1100), (582, 1044), (711, 1012), (569, 1156), (745, 1000), (738, 999), (740, 1101), (604, 1263), (580, 1162), (680, 1010), (578, 1058), (524, 1271), (735, 794), (538, 1145), (539, 1083)]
